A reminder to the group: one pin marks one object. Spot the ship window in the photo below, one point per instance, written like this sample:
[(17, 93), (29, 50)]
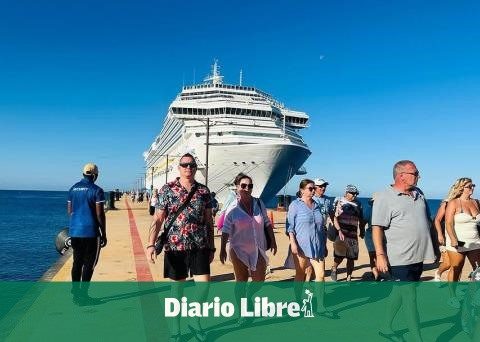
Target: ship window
[(189, 110)]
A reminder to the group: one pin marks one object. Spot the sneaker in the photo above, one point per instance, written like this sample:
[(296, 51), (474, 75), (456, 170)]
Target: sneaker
[(333, 275), (454, 303), (437, 276)]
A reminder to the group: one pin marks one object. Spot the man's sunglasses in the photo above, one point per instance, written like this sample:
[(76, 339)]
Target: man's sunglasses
[(244, 186), (416, 173), (353, 193), (190, 165)]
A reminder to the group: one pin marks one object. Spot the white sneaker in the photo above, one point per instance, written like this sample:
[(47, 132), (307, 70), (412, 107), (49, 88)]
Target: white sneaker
[(454, 303), (437, 276)]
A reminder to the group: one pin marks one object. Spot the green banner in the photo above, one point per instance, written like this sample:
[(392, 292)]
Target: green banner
[(230, 311)]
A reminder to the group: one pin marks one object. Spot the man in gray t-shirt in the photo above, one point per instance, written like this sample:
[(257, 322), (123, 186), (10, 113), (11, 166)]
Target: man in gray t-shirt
[(400, 215)]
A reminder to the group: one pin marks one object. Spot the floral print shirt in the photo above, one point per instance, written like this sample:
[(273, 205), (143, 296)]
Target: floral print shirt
[(189, 231)]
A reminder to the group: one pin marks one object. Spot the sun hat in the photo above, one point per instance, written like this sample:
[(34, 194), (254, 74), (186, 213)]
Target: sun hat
[(90, 169), (320, 182), (352, 189)]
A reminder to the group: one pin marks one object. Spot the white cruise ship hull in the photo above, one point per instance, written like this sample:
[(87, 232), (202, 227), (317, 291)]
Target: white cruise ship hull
[(271, 166)]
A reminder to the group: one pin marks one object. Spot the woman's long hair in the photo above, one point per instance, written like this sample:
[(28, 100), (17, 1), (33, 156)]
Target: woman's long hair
[(457, 188), (302, 186)]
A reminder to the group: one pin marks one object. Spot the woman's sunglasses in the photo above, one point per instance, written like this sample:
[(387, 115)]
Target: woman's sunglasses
[(471, 186), (244, 186)]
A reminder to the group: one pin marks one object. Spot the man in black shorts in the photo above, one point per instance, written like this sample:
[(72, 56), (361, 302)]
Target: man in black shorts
[(190, 248)]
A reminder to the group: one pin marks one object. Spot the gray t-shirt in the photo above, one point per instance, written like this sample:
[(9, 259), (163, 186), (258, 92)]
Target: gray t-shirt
[(406, 224)]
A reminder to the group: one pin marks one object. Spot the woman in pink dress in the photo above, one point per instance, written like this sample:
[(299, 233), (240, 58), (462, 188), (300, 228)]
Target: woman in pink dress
[(246, 225)]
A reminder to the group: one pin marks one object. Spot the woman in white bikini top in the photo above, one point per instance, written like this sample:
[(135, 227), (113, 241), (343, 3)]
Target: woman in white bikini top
[(461, 219)]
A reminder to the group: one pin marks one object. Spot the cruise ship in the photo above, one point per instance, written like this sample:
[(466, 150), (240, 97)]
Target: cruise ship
[(229, 129)]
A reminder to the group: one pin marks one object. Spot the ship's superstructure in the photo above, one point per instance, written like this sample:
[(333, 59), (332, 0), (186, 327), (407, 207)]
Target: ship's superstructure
[(245, 130)]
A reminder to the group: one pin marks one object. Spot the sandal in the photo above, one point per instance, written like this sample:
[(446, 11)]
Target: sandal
[(333, 274)]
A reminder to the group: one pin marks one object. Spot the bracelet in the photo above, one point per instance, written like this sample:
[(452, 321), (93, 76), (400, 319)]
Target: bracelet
[(380, 254), (150, 246)]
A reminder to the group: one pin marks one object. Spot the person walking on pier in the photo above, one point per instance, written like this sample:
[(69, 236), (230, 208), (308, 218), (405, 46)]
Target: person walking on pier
[(348, 220), (87, 230), (307, 241), (186, 207), (401, 218)]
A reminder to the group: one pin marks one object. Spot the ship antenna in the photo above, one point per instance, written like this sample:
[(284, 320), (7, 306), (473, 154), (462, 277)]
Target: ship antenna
[(215, 78), (194, 75), (241, 76)]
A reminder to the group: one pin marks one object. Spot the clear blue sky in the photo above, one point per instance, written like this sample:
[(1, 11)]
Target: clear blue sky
[(382, 81)]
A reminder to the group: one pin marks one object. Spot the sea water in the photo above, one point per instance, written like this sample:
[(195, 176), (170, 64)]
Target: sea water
[(29, 222)]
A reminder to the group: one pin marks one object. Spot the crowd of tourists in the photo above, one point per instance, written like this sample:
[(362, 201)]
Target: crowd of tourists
[(398, 231)]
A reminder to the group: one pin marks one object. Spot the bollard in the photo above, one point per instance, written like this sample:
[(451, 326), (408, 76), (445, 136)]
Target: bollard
[(111, 202)]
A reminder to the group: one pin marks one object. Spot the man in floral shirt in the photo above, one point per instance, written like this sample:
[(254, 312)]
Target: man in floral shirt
[(190, 247)]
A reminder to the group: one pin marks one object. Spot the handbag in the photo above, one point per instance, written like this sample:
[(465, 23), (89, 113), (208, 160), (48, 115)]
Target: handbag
[(162, 238), (332, 232)]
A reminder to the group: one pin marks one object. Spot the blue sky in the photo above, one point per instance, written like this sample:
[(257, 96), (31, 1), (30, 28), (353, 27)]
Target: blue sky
[(381, 81)]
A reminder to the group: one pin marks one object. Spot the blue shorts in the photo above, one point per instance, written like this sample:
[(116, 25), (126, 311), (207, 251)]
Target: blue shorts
[(411, 272)]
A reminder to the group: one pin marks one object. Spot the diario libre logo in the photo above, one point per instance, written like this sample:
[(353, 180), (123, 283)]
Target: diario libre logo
[(262, 307)]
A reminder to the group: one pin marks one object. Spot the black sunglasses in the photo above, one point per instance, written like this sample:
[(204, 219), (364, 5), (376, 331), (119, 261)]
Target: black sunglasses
[(244, 186), (471, 186), (190, 165), (310, 188), (353, 193), (416, 173)]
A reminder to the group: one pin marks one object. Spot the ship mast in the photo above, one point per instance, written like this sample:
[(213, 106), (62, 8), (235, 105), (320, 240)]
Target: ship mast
[(215, 77)]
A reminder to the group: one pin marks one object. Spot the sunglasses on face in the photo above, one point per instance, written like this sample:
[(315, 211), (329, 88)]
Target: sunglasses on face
[(416, 173), (471, 186), (321, 186), (310, 188), (352, 193), (244, 186), (189, 165)]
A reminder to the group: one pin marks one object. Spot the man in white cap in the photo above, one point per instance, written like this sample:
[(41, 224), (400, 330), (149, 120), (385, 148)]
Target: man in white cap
[(87, 228), (325, 203)]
